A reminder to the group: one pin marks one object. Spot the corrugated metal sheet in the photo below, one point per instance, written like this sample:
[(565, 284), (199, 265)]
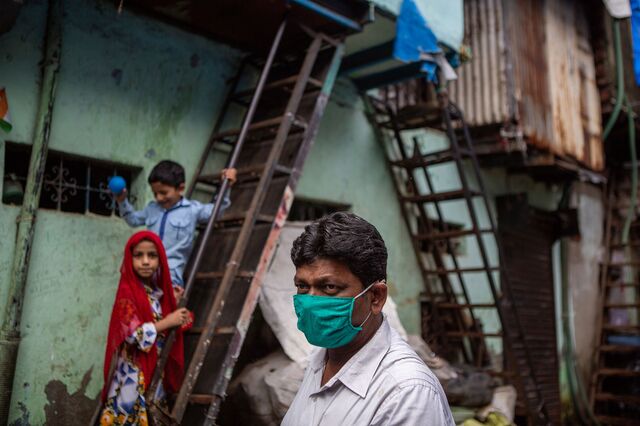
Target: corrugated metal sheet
[(533, 65), (481, 88)]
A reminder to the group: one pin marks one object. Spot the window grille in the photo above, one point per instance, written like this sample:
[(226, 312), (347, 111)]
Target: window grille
[(71, 183)]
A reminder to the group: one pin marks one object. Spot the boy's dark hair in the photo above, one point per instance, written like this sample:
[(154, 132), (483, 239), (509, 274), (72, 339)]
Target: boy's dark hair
[(347, 238), (167, 172)]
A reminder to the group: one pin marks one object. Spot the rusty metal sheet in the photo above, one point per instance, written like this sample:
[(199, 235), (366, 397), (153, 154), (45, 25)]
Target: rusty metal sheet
[(481, 88), (533, 65), (573, 90)]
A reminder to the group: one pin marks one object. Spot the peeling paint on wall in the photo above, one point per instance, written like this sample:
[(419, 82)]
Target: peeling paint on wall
[(64, 408)]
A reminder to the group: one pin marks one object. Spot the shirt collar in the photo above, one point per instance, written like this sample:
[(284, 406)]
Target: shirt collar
[(358, 372), (183, 202)]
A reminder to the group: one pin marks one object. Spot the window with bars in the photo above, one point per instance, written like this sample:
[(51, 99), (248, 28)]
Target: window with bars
[(71, 184), (306, 210)]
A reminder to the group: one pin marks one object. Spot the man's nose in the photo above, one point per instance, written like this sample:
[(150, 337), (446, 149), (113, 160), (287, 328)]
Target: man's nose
[(313, 291)]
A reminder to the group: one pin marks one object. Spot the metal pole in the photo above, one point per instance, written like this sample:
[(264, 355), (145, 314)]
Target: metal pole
[(10, 331)]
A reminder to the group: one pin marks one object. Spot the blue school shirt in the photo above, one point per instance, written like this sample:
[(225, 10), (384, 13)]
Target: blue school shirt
[(176, 227)]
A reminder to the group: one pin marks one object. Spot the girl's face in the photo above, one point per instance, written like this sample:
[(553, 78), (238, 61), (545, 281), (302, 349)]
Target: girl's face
[(145, 259)]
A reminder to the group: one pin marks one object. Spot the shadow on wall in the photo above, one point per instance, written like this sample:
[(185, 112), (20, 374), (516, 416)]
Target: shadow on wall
[(63, 408)]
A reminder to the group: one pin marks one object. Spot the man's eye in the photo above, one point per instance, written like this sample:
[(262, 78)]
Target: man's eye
[(330, 287), (302, 286)]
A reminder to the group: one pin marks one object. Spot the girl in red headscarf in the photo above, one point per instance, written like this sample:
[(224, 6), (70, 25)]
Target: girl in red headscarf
[(144, 311)]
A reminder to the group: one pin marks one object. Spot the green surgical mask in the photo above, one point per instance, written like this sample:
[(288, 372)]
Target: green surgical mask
[(325, 320)]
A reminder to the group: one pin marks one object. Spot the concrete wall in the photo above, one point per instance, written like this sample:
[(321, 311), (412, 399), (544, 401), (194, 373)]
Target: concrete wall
[(131, 90)]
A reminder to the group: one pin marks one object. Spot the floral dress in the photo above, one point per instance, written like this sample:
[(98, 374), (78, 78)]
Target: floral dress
[(125, 403)]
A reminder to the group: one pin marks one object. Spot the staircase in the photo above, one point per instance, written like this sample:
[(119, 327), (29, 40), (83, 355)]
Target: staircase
[(453, 286), (282, 113), (615, 385)]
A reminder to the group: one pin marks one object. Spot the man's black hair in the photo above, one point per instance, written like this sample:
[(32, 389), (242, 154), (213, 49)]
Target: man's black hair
[(347, 238), (167, 172)]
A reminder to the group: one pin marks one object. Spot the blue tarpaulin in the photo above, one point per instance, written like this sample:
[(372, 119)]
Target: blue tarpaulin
[(414, 38), (635, 36)]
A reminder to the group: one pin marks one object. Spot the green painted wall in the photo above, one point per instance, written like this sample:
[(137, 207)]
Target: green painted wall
[(131, 90), (347, 166)]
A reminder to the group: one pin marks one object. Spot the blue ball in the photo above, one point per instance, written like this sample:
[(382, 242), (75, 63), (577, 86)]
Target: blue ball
[(117, 184)]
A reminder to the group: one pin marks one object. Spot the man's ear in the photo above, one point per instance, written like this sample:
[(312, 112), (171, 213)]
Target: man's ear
[(378, 296), (181, 188)]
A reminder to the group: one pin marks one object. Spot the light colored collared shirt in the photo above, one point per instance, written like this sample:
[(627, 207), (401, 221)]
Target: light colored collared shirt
[(176, 227), (384, 383)]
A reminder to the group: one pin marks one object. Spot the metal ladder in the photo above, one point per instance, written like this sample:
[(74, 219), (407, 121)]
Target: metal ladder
[(231, 254), (453, 310), (612, 395)]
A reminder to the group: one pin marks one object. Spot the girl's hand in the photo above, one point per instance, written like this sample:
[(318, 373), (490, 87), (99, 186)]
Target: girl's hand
[(178, 317)]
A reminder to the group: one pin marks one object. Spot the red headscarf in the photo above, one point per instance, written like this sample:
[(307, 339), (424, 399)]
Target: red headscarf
[(131, 309)]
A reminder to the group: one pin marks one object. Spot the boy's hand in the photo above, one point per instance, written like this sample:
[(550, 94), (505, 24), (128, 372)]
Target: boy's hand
[(231, 174), (121, 196), (177, 293)]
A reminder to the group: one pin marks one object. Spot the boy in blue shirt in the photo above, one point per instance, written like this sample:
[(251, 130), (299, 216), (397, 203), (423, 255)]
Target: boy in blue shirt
[(171, 216)]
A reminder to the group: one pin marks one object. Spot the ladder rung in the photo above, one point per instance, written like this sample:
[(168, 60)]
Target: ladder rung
[(475, 334), (617, 372), (632, 399), (622, 285), (260, 125), (201, 399), (616, 421), (219, 330), (613, 327), (429, 159), (442, 271), (620, 245), (619, 348), (441, 196), (450, 234), (279, 84), (446, 305), (220, 274), (621, 305), (618, 264), (239, 217), (245, 174)]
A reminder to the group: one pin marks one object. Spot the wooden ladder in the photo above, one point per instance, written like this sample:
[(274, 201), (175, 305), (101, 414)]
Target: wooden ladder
[(615, 385), (281, 119), (453, 310)]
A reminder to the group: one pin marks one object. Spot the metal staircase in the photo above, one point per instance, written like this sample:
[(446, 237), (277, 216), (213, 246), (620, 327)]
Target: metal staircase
[(451, 283), (615, 386), (281, 119)]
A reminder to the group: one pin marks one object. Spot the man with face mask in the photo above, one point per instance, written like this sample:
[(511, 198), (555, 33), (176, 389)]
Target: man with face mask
[(363, 373)]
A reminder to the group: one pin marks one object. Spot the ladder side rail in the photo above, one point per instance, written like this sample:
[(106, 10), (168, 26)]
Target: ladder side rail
[(157, 376), (428, 223), (454, 259), (250, 302), (233, 264), (447, 107), (218, 124), (381, 137)]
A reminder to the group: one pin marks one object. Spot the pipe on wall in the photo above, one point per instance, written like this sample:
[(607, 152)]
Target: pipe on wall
[(10, 330)]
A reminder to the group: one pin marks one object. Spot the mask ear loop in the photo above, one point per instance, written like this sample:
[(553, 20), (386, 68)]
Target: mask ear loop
[(363, 292)]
